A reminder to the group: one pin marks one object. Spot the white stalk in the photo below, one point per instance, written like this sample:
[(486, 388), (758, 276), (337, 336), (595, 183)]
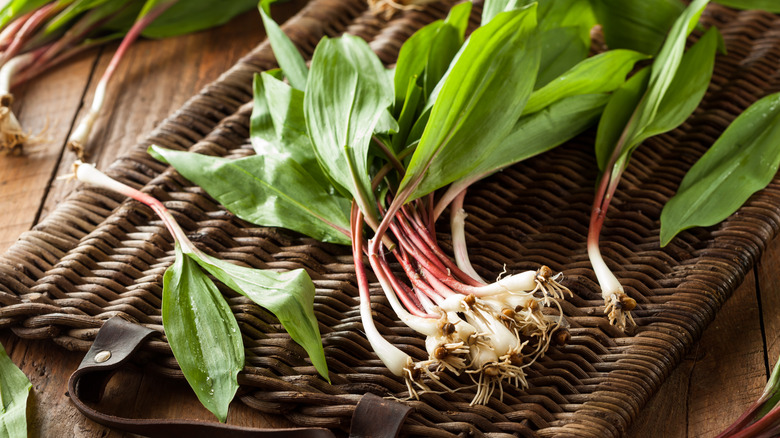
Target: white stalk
[(12, 136), (458, 229), (523, 282), (394, 359), (89, 174), (610, 286), (80, 135), (9, 70)]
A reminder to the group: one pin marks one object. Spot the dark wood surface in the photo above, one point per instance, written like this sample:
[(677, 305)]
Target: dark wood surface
[(722, 374)]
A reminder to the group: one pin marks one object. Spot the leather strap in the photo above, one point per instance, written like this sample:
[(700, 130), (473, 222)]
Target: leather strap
[(116, 343)]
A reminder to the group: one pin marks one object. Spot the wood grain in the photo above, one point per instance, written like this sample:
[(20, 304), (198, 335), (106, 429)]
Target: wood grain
[(46, 106), (725, 372)]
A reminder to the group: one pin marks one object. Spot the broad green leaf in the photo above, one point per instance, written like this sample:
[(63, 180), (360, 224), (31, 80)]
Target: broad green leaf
[(577, 14), (628, 134), (289, 126), (288, 295), (639, 25), (189, 16), (688, 86), (666, 64), (346, 95), (478, 103), (598, 74), (262, 132), (429, 51), (267, 190), (406, 119), (741, 162), (14, 389), (412, 58), (203, 334), (444, 47), (287, 55), (766, 5), (543, 130), (386, 125), (561, 49), (617, 115)]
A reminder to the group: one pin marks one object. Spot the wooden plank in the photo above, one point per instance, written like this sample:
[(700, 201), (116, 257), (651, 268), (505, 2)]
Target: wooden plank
[(154, 79), (46, 105), (769, 288), (721, 376)]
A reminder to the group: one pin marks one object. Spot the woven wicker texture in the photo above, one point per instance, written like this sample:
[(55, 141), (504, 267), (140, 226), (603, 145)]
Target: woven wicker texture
[(99, 255)]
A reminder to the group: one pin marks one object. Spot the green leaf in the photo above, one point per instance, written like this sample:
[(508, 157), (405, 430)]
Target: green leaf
[(639, 25), (289, 127), (667, 63), (561, 49), (741, 162), (688, 86), (287, 55), (267, 190), (14, 389), (428, 52), (576, 14), (478, 103), (624, 129), (288, 295), (617, 115), (346, 95), (543, 130), (188, 16), (598, 74), (413, 57), (766, 5), (203, 334)]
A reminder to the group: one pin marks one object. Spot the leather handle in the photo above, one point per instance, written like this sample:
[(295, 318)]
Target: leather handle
[(116, 343)]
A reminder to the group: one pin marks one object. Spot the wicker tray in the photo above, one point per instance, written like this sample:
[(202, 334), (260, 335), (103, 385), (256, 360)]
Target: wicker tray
[(98, 255)]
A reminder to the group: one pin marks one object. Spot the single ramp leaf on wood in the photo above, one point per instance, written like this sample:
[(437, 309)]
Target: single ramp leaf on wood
[(741, 162), (14, 390), (203, 334), (267, 190)]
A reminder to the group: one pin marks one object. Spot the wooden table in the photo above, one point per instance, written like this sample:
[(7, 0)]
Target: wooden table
[(723, 373)]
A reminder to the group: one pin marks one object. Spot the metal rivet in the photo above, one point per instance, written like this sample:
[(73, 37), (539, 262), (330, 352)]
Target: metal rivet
[(102, 356)]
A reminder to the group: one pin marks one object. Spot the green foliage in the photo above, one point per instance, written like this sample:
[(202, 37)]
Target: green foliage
[(741, 162), (267, 190), (288, 295), (14, 390), (636, 112), (487, 85), (640, 25), (346, 94), (287, 55), (203, 334)]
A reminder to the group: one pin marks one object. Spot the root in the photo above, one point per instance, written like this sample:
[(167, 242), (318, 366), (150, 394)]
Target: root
[(12, 137), (618, 307), (550, 286)]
